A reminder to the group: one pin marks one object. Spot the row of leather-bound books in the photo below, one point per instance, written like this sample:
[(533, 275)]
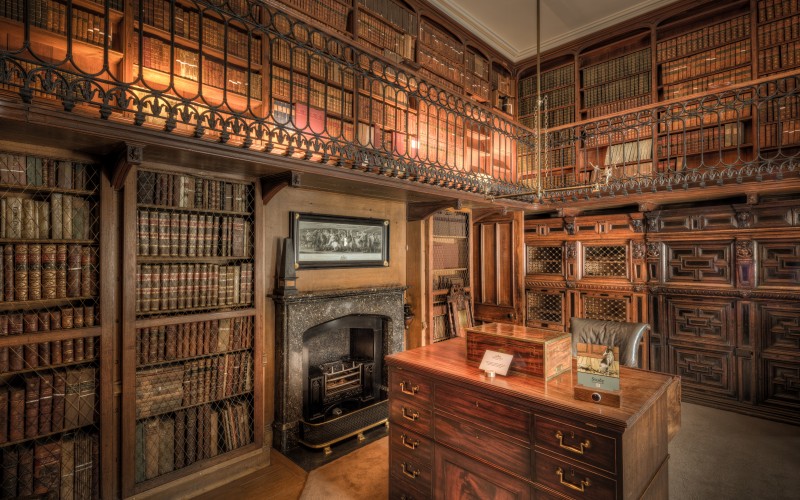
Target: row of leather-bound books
[(62, 217), (174, 234), (187, 191), (171, 442), (168, 388), (35, 171), (48, 271), (66, 468), (40, 404), (167, 287), (198, 338)]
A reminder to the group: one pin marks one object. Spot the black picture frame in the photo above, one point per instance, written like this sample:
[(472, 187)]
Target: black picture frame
[(333, 241)]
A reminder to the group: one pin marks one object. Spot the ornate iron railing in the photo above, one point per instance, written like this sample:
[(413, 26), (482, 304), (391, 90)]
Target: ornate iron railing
[(246, 74), (744, 132)]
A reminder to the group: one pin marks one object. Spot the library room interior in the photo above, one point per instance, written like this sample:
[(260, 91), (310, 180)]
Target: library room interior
[(406, 249)]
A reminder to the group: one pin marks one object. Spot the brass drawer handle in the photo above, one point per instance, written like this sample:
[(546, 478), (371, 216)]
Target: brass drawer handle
[(412, 474), (413, 391), (412, 445), (413, 416), (585, 445), (583, 484)]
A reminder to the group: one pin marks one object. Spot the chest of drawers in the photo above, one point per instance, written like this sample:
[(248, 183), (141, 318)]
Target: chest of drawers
[(455, 433)]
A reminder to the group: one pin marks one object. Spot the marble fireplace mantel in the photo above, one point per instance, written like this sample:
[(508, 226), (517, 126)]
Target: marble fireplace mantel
[(295, 314)]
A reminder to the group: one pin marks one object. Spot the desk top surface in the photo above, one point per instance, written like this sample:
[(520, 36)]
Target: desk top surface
[(639, 388)]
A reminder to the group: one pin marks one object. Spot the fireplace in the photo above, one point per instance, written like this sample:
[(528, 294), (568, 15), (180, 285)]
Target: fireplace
[(340, 360), (331, 382)]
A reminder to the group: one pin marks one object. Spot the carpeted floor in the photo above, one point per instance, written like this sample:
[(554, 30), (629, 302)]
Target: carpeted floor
[(716, 455)]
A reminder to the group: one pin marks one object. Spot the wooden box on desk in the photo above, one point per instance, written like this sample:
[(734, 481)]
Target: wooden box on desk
[(537, 352)]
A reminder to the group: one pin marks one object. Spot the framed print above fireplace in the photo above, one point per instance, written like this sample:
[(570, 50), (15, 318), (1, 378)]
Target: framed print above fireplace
[(327, 241)]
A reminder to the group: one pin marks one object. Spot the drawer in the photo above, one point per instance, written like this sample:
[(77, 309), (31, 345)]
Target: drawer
[(414, 417), (483, 443), (412, 444), (480, 409), (576, 443), (410, 385), (412, 471), (403, 488), (569, 479), (458, 476)]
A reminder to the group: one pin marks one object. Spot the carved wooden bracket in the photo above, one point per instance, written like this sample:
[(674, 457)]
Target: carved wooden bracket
[(273, 184), (569, 212), (484, 213), (423, 210), (130, 154), (648, 206)]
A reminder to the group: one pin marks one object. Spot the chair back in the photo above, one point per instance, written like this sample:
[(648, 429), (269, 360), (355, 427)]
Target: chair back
[(626, 336)]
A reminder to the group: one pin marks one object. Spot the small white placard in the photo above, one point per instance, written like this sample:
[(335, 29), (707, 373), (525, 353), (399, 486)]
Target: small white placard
[(497, 362)]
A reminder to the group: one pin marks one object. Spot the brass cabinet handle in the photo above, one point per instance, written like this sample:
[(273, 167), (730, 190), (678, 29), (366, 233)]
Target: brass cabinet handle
[(413, 416), (413, 391), (412, 473), (412, 445), (583, 484), (585, 445)]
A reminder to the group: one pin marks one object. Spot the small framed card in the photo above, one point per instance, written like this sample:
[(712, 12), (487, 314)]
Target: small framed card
[(496, 362), (598, 374)]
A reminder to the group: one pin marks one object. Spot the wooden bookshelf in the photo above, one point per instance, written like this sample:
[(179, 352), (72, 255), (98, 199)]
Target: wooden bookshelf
[(441, 54), (476, 75), (450, 253), (195, 391), (503, 90), (388, 27), (778, 36), (50, 333)]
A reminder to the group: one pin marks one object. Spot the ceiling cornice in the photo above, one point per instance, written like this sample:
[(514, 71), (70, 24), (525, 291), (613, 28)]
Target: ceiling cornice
[(516, 54)]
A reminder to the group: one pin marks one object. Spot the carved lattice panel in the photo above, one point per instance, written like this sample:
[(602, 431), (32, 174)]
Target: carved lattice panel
[(706, 321), (704, 370), (605, 308), (544, 307), (780, 327), (545, 260), (605, 261), (780, 264), (706, 262), (782, 382)]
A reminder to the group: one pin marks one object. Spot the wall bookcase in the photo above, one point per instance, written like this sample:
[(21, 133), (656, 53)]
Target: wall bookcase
[(193, 389), (53, 344)]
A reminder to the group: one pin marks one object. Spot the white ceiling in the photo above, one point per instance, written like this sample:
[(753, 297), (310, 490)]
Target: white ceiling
[(510, 25)]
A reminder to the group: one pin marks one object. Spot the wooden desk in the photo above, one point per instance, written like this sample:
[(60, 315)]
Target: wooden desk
[(457, 434)]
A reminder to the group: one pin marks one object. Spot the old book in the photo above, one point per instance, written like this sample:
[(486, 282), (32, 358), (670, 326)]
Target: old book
[(34, 271), (83, 466), (3, 209), (180, 439), (166, 451), (8, 273), (237, 237), (57, 215), (56, 356), (25, 471), (44, 353), (151, 447), (191, 435), (21, 272), (72, 399), (86, 396), (8, 472), (66, 217), (139, 456), (4, 411), (183, 234), (174, 233), (28, 228), (14, 217), (170, 342), (48, 276), (59, 393), (67, 468), (73, 271), (143, 232), (32, 385), (34, 170), (202, 427), (145, 187), (78, 349), (4, 351), (214, 434), (164, 291), (46, 468), (79, 218), (45, 403), (16, 413), (42, 219), (223, 339), (163, 233), (67, 318), (156, 341), (192, 235), (61, 271), (89, 315), (64, 175), (86, 272)]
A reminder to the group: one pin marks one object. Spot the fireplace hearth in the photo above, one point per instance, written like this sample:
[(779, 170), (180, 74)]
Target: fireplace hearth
[(331, 382)]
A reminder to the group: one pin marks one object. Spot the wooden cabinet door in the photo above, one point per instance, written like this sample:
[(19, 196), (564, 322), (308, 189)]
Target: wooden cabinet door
[(498, 268), (456, 476)]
